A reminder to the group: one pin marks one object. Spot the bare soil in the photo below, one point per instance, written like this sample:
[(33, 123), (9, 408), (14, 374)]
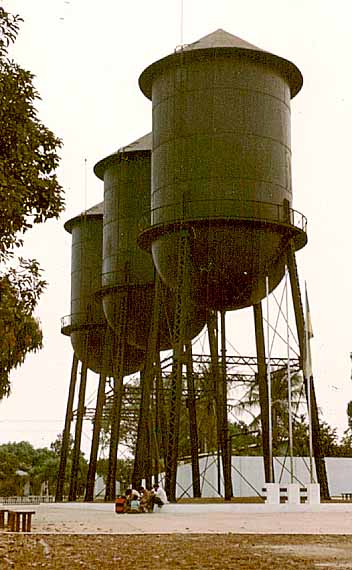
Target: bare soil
[(215, 551)]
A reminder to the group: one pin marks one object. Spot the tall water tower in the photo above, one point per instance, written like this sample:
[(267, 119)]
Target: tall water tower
[(221, 197), (93, 341), (129, 292), (128, 271)]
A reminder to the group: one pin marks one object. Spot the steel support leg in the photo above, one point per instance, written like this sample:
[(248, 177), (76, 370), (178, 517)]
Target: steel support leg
[(263, 392), (149, 457), (78, 434), (65, 443), (110, 491), (179, 334), (155, 437), (139, 469), (213, 334), (160, 414), (222, 396), (193, 428), (119, 358), (97, 425), (299, 314)]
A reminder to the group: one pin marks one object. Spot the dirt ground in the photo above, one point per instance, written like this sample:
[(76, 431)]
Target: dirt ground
[(216, 551)]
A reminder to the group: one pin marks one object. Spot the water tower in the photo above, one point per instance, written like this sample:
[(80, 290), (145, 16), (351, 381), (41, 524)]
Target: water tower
[(131, 297), (86, 325), (128, 272), (221, 197), (93, 342)]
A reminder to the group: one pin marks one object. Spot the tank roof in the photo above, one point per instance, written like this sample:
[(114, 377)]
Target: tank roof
[(220, 38), (220, 43), (97, 209), (143, 144), (94, 211)]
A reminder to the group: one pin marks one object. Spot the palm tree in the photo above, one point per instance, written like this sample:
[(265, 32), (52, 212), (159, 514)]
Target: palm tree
[(250, 404)]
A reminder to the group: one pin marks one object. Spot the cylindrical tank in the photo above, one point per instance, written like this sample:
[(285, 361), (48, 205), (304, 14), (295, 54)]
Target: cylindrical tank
[(86, 325), (126, 267), (221, 163)]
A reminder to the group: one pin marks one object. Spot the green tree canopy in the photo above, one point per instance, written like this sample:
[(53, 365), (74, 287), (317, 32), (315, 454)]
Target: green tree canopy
[(20, 463), (30, 194)]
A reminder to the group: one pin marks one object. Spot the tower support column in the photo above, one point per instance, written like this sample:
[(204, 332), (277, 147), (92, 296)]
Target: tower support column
[(179, 336), (119, 358), (147, 377), (193, 428), (222, 396), (263, 392), (220, 400), (97, 424), (66, 433), (299, 315), (78, 434)]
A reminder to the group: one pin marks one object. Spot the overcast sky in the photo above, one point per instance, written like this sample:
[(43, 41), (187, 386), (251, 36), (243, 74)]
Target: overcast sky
[(87, 58)]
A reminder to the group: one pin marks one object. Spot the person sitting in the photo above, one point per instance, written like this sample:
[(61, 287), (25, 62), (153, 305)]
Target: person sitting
[(135, 505), (128, 495), (159, 496), (136, 494), (132, 501), (146, 501)]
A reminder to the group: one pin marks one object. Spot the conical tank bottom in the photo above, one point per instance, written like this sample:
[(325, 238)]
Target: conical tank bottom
[(140, 315), (88, 345), (228, 263)]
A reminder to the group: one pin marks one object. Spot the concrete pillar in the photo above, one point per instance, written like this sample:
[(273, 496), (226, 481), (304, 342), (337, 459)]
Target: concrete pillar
[(293, 494), (313, 490), (272, 493)]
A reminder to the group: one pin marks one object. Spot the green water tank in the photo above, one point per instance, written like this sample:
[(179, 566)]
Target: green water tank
[(128, 269), (86, 324), (221, 164)]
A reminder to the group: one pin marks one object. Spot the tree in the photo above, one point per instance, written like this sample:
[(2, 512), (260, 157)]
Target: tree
[(51, 467), (30, 194), (349, 416), (21, 463), (244, 440), (16, 460), (279, 406), (124, 469)]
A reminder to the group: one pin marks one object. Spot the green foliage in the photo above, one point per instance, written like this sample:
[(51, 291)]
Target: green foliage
[(349, 415), (30, 194), (346, 444), (124, 469), (244, 440), (15, 458), (21, 463), (206, 410), (53, 467), (20, 332)]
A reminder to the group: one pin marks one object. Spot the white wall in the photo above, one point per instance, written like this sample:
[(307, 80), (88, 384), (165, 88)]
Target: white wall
[(248, 475)]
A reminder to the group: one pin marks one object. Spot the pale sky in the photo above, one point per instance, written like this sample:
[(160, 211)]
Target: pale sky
[(87, 58)]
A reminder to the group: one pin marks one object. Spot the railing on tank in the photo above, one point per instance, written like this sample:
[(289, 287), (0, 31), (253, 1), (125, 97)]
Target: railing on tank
[(76, 321), (226, 208)]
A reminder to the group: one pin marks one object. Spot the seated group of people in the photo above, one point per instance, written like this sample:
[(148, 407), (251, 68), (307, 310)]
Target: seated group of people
[(143, 501)]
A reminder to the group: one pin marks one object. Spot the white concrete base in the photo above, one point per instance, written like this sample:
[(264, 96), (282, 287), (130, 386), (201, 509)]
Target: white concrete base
[(293, 494), (272, 493), (313, 493)]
